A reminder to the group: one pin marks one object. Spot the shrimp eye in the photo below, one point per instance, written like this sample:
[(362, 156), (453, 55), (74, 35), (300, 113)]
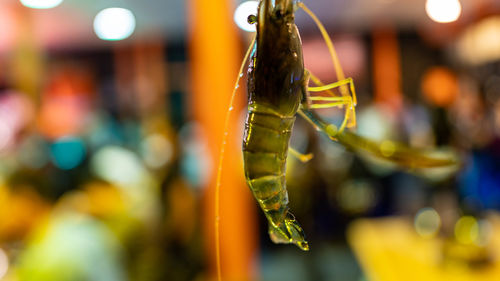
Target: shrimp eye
[(278, 14), (252, 19)]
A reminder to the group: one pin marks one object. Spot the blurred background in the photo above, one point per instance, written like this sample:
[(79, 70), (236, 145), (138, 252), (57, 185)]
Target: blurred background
[(111, 121)]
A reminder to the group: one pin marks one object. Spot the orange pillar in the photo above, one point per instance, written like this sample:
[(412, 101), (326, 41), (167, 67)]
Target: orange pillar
[(215, 55), (387, 69)]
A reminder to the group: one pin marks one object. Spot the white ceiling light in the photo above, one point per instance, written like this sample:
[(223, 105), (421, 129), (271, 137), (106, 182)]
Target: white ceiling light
[(242, 12), (41, 4), (113, 24), (443, 11), (480, 42)]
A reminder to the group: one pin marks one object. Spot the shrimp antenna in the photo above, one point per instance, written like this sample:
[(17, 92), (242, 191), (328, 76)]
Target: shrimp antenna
[(336, 64), (221, 159), (328, 41)]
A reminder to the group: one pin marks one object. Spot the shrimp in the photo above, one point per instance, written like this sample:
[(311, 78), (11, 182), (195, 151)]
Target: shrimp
[(278, 90), (276, 80)]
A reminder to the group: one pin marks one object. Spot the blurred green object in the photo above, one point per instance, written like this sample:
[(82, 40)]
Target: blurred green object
[(72, 247)]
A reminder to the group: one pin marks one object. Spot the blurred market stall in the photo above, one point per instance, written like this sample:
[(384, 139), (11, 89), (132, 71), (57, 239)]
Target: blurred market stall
[(111, 122)]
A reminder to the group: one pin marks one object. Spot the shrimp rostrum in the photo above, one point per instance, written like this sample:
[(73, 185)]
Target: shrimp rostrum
[(278, 90)]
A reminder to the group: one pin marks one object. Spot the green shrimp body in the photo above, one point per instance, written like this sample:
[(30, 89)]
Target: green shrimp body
[(276, 90)]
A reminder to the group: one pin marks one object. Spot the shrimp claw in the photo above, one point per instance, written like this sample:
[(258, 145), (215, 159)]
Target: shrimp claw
[(398, 153)]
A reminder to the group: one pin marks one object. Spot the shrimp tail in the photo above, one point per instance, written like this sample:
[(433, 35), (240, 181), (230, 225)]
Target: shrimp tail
[(289, 232), (270, 192)]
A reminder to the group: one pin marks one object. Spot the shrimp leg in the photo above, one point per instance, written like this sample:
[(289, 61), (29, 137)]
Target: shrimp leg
[(304, 158), (332, 100)]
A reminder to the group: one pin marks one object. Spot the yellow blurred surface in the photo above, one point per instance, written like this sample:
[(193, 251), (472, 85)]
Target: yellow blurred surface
[(20, 211), (390, 249)]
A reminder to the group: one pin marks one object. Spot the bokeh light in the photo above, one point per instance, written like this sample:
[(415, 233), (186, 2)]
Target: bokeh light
[(375, 123), (467, 230), (196, 164), (156, 151), (241, 15), (443, 11), (440, 86), (4, 263), (113, 24), (356, 197), (118, 165), (485, 233), (68, 152), (387, 148), (51, 254), (6, 135), (427, 222), (480, 42), (34, 152), (41, 4)]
